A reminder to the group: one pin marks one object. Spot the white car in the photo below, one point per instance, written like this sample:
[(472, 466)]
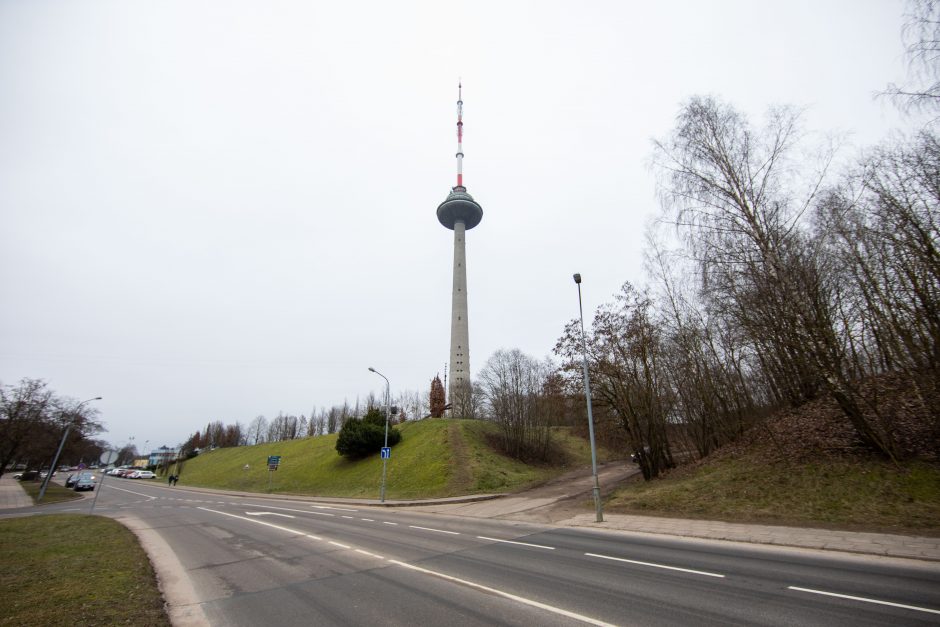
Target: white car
[(141, 474)]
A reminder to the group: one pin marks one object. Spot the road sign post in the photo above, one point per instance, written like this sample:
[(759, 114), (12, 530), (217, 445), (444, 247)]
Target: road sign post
[(273, 462), (107, 458)]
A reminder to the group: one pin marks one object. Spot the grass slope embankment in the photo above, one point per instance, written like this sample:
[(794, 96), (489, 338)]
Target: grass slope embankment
[(436, 458), (860, 494)]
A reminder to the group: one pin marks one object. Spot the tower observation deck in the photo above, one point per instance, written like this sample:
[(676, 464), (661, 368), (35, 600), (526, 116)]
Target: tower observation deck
[(459, 212)]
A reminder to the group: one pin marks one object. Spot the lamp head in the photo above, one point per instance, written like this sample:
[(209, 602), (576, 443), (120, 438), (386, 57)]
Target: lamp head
[(577, 278), (371, 369)]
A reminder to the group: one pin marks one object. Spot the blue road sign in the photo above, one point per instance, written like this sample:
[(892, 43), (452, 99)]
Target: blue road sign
[(274, 460), (386, 452)]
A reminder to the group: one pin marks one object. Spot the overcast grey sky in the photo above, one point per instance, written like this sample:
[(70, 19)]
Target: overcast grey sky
[(215, 210)]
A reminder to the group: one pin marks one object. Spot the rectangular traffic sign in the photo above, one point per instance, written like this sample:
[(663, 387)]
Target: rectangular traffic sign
[(386, 452), (274, 460)]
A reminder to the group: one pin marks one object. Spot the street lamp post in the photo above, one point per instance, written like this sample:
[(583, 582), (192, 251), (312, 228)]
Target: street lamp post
[(55, 460), (587, 394), (388, 401)]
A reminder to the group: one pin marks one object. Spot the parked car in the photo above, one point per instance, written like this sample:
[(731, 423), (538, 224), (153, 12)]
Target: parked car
[(144, 474), (85, 482), (73, 478)]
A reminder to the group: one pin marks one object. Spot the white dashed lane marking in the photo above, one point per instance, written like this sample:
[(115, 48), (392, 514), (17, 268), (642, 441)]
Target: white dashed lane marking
[(537, 546), (652, 565), (453, 533), (865, 600)]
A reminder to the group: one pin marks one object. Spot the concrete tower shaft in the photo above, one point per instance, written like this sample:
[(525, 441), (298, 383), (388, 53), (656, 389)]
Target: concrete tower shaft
[(459, 324)]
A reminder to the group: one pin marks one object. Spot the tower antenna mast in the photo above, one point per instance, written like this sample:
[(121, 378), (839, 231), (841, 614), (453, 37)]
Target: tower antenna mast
[(460, 134)]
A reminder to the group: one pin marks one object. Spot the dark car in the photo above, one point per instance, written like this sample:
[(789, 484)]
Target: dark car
[(72, 479), (85, 482)]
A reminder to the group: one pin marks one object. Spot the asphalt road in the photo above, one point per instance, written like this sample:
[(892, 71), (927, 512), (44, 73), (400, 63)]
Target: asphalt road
[(251, 561)]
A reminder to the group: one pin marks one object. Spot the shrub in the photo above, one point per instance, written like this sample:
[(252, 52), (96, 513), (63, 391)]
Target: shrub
[(361, 437)]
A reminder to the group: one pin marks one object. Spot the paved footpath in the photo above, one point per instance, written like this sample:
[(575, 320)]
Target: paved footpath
[(891, 545), (12, 494)]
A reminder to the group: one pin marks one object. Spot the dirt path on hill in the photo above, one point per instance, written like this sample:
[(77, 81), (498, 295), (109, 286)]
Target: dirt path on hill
[(560, 499), (460, 464)]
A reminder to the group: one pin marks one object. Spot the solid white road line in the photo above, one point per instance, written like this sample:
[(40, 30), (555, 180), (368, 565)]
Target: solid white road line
[(338, 509), (299, 511), (254, 520), (683, 570), (506, 595), (537, 546), (369, 554), (132, 492), (453, 533), (464, 582), (269, 514), (864, 600)]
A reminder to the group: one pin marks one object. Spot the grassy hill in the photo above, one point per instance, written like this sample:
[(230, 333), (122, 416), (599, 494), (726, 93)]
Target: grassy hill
[(802, 466), (436, 458), (860, 494)]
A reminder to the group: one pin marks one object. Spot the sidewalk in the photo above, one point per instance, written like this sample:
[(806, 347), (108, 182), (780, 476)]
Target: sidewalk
[(11, 494), (886, 544)]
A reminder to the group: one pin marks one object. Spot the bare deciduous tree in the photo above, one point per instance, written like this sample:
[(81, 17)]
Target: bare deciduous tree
[(513, 385), (922, 44)]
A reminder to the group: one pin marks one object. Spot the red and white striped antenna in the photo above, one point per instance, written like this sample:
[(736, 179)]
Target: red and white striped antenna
[(459, 133)]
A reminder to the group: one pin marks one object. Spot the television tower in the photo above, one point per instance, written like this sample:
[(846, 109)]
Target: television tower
[(460, 213)]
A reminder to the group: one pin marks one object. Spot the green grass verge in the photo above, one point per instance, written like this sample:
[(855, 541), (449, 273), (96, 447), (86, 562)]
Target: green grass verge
[(436, 458), (851, 494), (55, 493), (70, 569)]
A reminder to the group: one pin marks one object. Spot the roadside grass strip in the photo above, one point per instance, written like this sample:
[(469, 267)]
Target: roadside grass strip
[(652, 565), (55, 493), (864, 599), (432, 573), (67, 569)]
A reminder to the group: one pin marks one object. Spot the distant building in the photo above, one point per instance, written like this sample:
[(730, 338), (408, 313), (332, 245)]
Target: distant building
[(161, 456)]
